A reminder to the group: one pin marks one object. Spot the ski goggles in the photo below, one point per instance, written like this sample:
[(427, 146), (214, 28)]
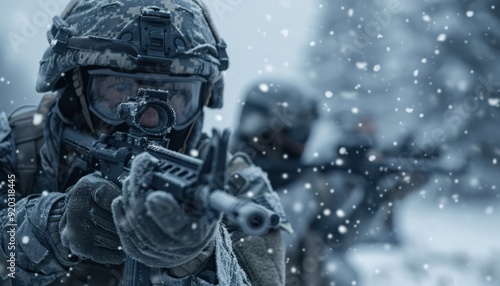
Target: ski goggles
[(108, 89)]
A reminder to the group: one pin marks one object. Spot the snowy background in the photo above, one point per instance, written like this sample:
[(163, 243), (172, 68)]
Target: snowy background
[(429, 69)]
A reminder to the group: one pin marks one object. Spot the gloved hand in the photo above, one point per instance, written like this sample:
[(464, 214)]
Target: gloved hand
[(87, 228), (154, 229), (261, 266)]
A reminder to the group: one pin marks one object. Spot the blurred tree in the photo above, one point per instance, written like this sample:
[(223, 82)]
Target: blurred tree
[(426, 68)]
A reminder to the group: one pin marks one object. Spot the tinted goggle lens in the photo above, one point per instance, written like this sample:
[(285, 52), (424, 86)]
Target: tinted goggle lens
[(107, 92)]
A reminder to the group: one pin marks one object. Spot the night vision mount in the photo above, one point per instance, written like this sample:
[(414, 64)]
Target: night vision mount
[(150, 38)]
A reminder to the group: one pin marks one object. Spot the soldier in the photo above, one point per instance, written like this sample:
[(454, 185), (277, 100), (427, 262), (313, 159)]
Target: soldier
[(77, 230), (276, 123), (333, 200)]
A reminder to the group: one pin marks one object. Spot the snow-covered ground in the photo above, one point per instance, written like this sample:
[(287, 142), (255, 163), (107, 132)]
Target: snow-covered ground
[(453, 244)]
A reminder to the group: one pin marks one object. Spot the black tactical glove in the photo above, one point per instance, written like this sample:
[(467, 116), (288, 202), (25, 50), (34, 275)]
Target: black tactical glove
[(87, 228), (154, 229)]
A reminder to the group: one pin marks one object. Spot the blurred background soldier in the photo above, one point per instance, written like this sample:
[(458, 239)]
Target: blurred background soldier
[(275, 125), (335, 189)]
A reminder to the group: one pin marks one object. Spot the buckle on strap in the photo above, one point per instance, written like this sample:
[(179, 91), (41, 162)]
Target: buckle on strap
[(58, 35), (223, 57)]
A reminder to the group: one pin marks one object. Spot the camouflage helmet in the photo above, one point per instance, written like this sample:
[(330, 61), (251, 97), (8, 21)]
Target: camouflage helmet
[(155, 36)]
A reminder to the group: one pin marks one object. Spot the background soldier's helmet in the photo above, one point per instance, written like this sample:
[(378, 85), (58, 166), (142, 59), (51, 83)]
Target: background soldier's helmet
[(276, 116), (170, 37)]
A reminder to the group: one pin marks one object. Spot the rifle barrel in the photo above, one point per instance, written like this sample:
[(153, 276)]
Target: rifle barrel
[(252, 218)]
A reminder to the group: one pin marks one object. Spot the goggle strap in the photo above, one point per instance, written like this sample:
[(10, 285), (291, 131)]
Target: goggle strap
[(208, 91), (184, 144)]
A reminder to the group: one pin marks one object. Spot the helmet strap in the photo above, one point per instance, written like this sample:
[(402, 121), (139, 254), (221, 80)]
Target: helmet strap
[(208, 89), (186, 138), (78, 86)]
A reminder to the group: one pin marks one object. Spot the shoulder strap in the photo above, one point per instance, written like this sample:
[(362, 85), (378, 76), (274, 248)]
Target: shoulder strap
[(27, 126)]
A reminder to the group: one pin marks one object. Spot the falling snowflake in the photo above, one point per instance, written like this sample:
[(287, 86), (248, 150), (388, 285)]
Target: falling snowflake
[(25, 239), (264, 87), (441, 38)]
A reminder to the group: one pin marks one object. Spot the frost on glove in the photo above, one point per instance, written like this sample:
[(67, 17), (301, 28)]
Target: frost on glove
[(153, 227)]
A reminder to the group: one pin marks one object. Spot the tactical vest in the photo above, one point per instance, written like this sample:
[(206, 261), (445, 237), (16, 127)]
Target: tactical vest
[(27, 125)]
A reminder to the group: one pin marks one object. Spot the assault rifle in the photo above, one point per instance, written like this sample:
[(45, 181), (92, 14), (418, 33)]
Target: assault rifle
[(179, 174), (193, 182), (385, 176), (371, 165)]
